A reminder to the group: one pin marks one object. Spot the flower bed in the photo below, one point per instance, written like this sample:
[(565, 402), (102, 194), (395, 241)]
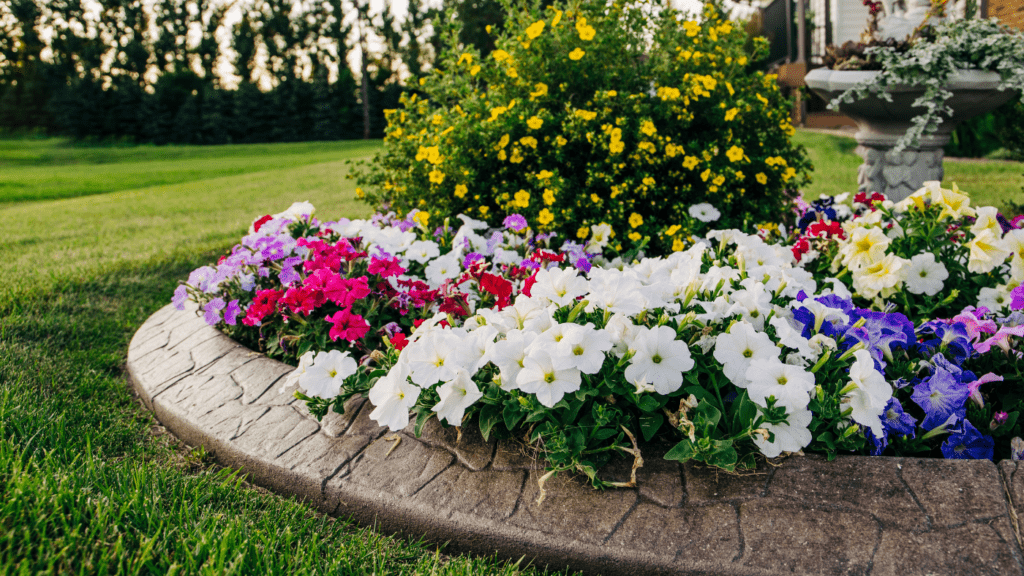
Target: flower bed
[(878, 329)]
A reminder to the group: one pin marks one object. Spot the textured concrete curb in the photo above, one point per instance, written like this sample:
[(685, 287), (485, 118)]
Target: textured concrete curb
[(856, 515)]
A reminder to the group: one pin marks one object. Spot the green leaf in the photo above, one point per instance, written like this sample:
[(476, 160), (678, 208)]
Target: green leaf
[(572, 412), (1007, 426), (744, 412), (648, 403), (650, 424), (490, 415), (421, 419), (683, 452), (723, 455), (512, 415), (604, 433), (707, 415)]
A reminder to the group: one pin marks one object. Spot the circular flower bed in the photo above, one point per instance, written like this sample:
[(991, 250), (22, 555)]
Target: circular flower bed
[(874, 328)]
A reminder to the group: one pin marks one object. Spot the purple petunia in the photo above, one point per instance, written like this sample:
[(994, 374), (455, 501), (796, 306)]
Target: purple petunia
[(180, 297), (1017, 298), (515, 222), (231, 312), (471, 258), (942, 397), (212, 309), (896, 420), (966, 442)]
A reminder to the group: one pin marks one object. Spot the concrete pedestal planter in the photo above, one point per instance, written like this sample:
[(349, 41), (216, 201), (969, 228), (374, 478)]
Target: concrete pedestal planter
[(882, 123), (801, 515)]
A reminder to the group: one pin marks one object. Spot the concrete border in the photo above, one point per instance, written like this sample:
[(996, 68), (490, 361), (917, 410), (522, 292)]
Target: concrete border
[(856, 515)]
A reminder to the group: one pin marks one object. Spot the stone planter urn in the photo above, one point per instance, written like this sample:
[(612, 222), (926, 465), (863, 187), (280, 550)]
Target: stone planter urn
[(882, 123)]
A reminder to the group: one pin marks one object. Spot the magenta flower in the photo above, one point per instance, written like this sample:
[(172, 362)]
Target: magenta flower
[(347, 326), (1017, 298), (231, 312), (385, 267), (974, 387), (1000, 339)]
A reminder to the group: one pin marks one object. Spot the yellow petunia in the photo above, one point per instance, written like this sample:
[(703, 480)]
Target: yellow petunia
[(635, 220), (535, 123), (576, 54), (535, 29), (460, 191)]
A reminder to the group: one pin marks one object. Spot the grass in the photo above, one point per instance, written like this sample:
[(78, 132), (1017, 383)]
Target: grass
[(88, 484), (995, 183), (52, 168)]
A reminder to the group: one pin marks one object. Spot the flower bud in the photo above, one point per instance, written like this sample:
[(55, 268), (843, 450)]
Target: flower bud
[(998, 419)]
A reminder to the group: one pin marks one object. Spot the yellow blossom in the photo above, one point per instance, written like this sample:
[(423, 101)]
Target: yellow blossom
[(544, 175), (437, 120), (557, 18), (540, 89), (422, 217), (719, 180), (635, 220), (360, 194), (761, 178), (647, 127), (535, 29), (595, 198), (484, 210), (678, 245), (585, 114), (634, 236), (647, 146), (516, 157), (545, 217), (500, 55), (522, 199), (648, 181), (582, 232), (529, 141), (535, 122), (616, 146), (705, 175), (467, 58), (436, 176), (460, 190), (616, 190), (503, 141), (576, 54), (667, 93), (495, 112), (549, 196), (511, 73), (762, 99), (690, 162), (474, 70), (692, 28), (788, 174), (673, 229), (586, 32), (730, 114), (561, 141)]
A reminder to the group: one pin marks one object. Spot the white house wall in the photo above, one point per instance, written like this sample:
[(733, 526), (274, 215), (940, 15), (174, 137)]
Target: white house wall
[(849, 19)]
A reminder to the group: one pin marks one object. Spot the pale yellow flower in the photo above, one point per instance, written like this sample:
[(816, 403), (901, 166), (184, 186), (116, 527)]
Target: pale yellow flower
[(866, 247), (987, 252)]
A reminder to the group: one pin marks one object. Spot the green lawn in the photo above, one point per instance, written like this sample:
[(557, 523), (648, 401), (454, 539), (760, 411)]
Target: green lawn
[(87, 483), (996, 183)]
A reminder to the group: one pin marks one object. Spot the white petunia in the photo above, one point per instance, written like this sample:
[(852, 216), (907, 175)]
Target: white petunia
[(583, 348), (540, 377), (326, 374), (870, 395), (790, 437), (995, 299), (509, 355), (790, 385), (925, 275), (304, 362), (393, 396), (659, 359), (433, 358), (615, 291), (456, 396), (422, 250), (739, 347), (704, 212), (297, 211), (560, 286), (443, 268), (987, 252), (473, 349)]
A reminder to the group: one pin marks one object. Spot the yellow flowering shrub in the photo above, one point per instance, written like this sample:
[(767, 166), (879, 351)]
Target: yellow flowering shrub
[(593, 113)]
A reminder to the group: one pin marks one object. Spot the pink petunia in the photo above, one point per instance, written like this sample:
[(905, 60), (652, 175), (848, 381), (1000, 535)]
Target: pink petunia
[(347, 326), (974, 386), (973, 320), (385, 267), (1001, 339)]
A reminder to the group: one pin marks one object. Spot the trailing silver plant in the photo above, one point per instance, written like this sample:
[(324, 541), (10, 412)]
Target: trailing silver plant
[(933, 59)]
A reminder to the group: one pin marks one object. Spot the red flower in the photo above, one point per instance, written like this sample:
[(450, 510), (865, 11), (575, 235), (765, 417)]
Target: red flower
[(528, 284), (347, 325), (264, 304), (822, 229), (259, 223), (385, 267), (399, 341), (498, 286), (801, 247)]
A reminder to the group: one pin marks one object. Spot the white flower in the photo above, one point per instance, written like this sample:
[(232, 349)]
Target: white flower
[(987, 252), (659, 359), (443, 268), (456, 395), (614, 291), (622, 331), (433, 358), (790, 385), (422, 250), (509, 355), (393, 396), (790, 437), (792, 337), (326, 374), (583, 348), (925, 275), (995, 299), (297, 211), (880, 278), (599, 235), (865, 247), (741, 345), (540, 377), (304, 362), (560, 286), (704, 212), (987, 220), (753, 303), (871, 395), (474, 347)]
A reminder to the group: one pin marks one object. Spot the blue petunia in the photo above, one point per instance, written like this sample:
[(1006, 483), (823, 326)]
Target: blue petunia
[(966, 442), (896, 420), (941, 396)]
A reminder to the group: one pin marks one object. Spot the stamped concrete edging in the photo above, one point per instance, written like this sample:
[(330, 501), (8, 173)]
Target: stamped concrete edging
[(856, 515)]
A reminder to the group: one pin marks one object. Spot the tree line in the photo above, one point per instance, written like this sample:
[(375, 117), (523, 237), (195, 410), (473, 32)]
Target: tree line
[(213, 71)]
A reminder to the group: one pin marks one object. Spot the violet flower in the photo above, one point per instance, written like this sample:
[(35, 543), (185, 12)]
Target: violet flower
[(515, 222), (213, 308), (966, 442), (941, 397)]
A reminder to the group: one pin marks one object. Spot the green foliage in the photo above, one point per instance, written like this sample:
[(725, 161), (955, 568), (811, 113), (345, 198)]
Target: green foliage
[(587, 114)]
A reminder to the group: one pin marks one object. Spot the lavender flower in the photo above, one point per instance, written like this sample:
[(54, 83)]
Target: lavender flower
[(941, 397), (213, 308), (471, 258), (896, 420), (515, 222), (180, 297), (231, 312)]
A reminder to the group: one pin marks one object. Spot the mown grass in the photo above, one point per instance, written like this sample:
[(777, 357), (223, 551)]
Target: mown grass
[(53, 168), (88, 484), (995, 183)]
